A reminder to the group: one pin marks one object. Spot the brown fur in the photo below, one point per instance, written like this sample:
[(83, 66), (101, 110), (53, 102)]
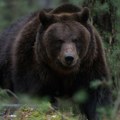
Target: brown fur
[(36, 62)]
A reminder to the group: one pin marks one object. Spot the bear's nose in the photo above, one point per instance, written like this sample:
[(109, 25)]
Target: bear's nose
[(69, 60)]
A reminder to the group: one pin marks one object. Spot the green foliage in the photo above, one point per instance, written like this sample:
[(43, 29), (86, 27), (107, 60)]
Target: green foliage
[(95, 84), (81, 96), (99, 8), (105, 112), (77, 2), (12, 10)]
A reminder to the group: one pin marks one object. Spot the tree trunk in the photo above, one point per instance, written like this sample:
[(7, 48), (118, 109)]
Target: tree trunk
[(104, 20)]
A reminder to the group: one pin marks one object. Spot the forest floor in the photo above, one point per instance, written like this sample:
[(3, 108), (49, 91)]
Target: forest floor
[(35, 109), (43, 112), (32, 114)]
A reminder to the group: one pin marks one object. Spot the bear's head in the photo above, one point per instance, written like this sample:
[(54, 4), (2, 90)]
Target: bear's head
[(63, 40)]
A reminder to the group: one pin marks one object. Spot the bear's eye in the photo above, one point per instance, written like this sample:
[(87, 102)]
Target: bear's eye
[(57, 43), (60, 41), (76, 40), (77, 43)]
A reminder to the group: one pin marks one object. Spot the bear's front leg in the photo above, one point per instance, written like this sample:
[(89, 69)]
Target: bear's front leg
[(99, 98), (90, 108)]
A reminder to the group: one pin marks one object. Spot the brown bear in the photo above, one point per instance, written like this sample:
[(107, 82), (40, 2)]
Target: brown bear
[(55, 54)]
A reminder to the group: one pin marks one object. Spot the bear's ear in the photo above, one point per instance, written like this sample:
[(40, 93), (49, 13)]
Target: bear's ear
[(46, 18), (83, 16)]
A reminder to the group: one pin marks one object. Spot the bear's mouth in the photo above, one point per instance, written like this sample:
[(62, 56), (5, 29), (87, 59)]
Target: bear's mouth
[(66, 66)]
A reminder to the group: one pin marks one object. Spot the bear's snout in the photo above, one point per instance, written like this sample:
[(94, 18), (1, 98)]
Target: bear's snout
[(68, 55), (69, 60)]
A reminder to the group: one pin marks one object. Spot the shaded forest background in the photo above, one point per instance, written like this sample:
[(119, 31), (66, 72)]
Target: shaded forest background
[(105, 15)]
